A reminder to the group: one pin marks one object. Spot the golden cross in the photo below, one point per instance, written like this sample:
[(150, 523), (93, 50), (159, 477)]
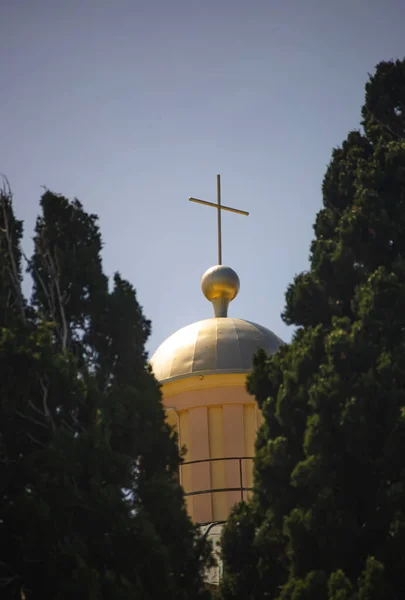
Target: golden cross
[(219, 207)]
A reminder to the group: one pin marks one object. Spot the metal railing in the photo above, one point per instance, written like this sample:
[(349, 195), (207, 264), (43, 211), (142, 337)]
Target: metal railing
[(241, 487)]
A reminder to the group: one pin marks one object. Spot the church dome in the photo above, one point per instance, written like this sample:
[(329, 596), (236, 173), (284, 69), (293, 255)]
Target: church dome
[(211, 346)]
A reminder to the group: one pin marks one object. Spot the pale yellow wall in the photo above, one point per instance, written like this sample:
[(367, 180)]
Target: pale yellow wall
[(250, 428), (215, 418), (185, 472), (216, 439)]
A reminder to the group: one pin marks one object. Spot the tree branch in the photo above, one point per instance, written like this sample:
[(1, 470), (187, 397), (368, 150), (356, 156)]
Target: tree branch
[(7, 194), (45, 392), (31, 419), (54, 271), (31, 437), (61, 303)]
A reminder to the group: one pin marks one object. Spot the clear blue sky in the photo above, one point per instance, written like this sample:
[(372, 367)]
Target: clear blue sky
[(132, 106)]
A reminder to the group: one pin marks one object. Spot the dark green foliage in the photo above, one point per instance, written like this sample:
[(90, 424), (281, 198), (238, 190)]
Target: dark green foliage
[(90, 506), (330, 462)]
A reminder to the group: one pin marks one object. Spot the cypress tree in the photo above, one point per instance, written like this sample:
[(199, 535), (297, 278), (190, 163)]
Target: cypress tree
[(327, 520)]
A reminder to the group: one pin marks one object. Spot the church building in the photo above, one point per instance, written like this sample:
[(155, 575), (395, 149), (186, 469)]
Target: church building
[(202, 369)]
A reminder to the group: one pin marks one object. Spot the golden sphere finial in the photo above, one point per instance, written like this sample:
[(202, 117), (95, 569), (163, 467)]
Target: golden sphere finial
[(220, 285)]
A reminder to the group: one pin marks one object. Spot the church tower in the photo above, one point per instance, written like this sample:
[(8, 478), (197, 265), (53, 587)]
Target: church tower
[(202, 369)]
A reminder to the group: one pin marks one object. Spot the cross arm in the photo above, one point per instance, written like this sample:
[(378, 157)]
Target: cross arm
[(221, 206)]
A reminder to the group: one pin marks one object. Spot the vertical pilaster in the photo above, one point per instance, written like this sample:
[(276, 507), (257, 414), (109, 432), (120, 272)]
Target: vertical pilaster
[(200, 472), (234, 445)]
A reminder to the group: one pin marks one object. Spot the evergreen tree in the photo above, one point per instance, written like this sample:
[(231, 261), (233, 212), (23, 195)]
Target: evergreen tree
[(327, 520), (90, 506)]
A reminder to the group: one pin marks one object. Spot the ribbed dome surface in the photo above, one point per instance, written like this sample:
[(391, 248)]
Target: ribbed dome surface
[(218, 345)]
